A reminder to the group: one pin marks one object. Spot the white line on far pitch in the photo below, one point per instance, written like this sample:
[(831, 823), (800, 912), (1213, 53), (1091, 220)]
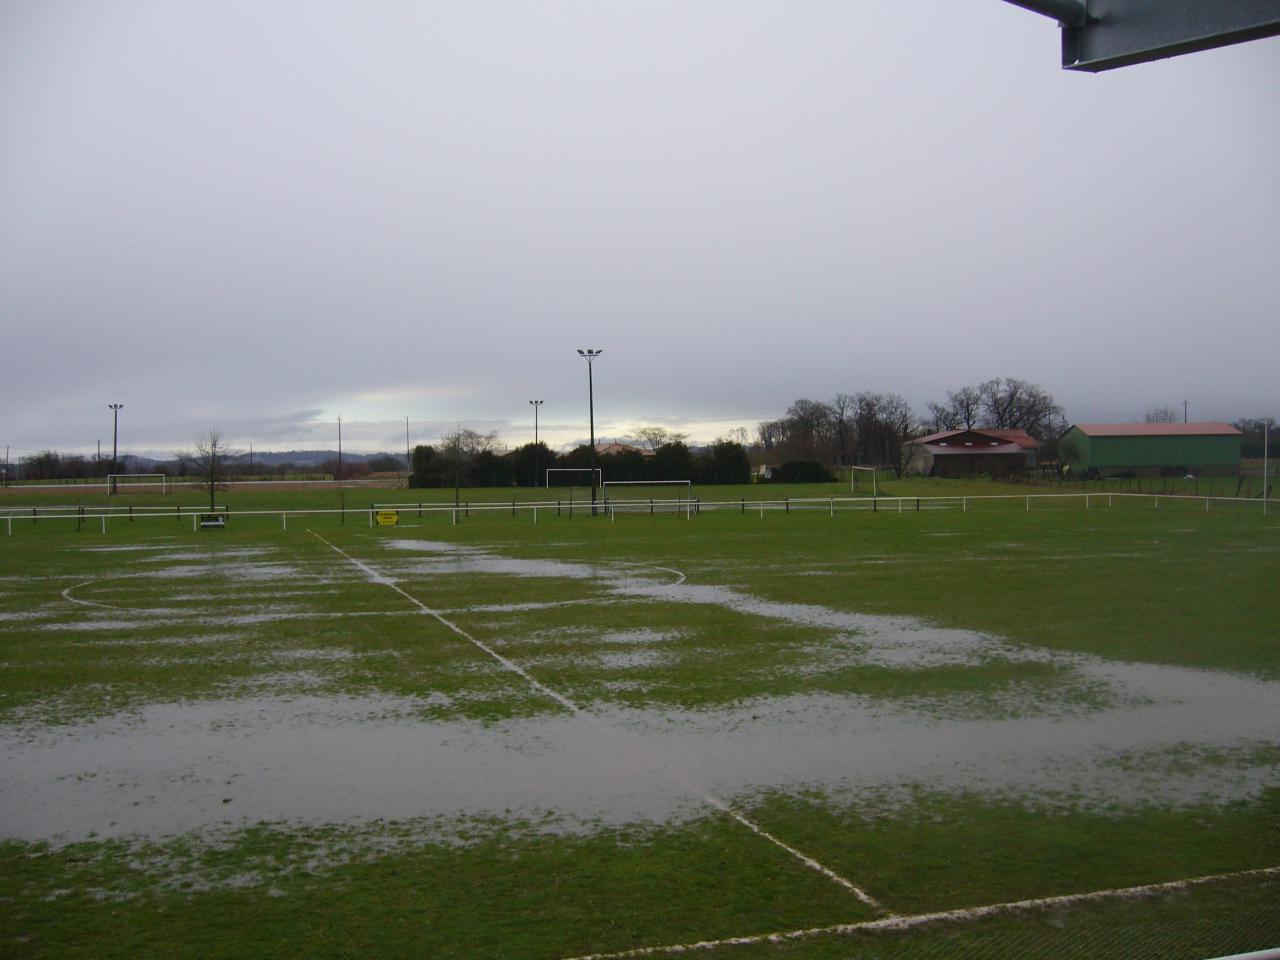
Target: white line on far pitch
[(705, 795)]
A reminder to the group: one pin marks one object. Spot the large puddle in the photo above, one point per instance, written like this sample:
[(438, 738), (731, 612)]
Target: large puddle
[(185, 766), (175, 767)]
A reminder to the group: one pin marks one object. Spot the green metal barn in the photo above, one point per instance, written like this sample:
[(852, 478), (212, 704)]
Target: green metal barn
[(1151, 449)]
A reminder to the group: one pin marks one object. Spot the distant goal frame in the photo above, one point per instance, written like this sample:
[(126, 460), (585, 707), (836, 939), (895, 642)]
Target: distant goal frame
[(853, 479), (687, 502)]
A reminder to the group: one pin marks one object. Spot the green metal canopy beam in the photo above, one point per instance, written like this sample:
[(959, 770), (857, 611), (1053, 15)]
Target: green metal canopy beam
[(1104, 34)]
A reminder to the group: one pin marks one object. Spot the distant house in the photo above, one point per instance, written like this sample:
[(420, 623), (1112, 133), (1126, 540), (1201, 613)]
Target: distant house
[(956, 453), (1151, 449)]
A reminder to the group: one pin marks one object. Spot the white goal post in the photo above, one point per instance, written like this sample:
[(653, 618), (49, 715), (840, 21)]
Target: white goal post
[(616, 500), (145, 481), (853, 478)]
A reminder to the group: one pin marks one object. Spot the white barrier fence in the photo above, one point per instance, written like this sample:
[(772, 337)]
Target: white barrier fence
[(689, 508)]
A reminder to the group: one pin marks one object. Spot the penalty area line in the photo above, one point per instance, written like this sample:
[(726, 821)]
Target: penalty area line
[(703, 794), (963, 914)]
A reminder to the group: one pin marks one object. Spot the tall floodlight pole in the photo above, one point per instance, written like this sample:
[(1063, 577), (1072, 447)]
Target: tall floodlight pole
[(408, 457), (535, 404), (339, 476), (115, 432), (590, 356)]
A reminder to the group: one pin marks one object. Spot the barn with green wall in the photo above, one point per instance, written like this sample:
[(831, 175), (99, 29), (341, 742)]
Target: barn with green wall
[(1151, 449)]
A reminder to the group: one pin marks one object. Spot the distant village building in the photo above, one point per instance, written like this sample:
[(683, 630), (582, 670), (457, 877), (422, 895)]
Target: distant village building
[(956, 453), (1151, 449)]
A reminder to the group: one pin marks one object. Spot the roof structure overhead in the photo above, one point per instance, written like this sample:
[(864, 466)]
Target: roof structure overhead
[(1204, 429)]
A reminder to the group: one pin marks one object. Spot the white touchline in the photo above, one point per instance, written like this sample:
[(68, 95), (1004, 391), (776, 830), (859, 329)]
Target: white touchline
[(922, 919), (703, 794)]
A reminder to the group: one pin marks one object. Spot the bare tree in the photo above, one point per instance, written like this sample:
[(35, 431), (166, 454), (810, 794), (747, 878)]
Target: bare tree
[(459, 447), (960, 412), (810, 423), (771, 434), (655, 437), (884, 421), (1161, 414), (842, 407), (1016, 404), (209, 460)]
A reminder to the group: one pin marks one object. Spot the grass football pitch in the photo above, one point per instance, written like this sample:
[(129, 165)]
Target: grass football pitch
[(989, 733)]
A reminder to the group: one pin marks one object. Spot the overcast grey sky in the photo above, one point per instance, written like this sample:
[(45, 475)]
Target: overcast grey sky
[(262, 215)]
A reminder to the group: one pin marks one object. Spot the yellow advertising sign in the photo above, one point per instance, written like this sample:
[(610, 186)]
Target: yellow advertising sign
[(388, 518)]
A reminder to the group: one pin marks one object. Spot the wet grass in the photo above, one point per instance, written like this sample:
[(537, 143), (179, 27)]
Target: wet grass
[(505, 890), (505, 893), (1175, 586)]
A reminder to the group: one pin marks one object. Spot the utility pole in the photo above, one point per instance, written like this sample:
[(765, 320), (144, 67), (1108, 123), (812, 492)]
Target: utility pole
[(590, 356), (1184, 411), (339, 476), (408, 457)]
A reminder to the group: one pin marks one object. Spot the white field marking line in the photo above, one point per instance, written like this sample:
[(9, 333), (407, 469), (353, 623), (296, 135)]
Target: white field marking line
[(681, 577), (922, 919), (66, 595), (203, 616), (703, 794)]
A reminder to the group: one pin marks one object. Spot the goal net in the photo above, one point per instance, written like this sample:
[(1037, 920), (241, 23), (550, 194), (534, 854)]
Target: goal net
[(137, 483), (649, 496)]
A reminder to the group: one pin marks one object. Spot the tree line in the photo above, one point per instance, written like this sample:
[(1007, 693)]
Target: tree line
[(867, 428), (872, 428), (465, 458)]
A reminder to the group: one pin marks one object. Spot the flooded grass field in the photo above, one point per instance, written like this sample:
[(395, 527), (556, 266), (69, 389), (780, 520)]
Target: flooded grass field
[(585, 737)]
